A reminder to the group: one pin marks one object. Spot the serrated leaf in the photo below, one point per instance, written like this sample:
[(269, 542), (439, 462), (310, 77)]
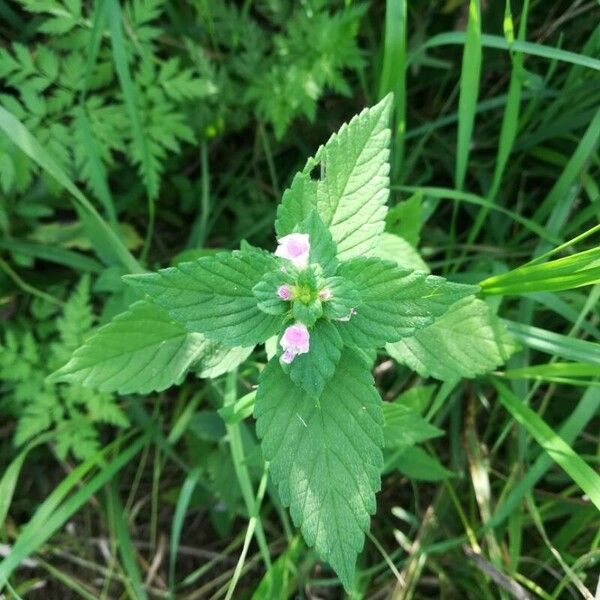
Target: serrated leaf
[(139, 351), (325, 456), (406, 219), (58, 25), (217, 359), (312, 370), (213, 295), (266, 292), (395, 302), (307, 313), (297, 203), (352, 186), (344, 298), (467, 341), (396, 249), (404, 426), (322, 247), (416, 463)]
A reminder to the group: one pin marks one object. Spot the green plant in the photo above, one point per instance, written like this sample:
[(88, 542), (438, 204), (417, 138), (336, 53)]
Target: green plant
[(72, 412), (328, 302)]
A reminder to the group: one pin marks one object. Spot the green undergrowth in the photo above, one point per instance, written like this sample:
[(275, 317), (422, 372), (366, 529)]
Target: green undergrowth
[(140, 135)]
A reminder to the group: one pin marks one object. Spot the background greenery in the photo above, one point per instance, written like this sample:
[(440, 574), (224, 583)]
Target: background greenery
[(142, 133)]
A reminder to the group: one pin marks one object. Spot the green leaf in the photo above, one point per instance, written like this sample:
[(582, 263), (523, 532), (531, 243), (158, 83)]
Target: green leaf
[(560, 452), (404, 426), (213, 296), (554, 344), (396, 249), (312, 370), (565, 273), (297, 204), (395, 302), (265, 292), (406, 219), (469, 91), (322, 247), (217, 359), (417, 464), (280, 580), (351, 190), (325, 456), (467, 341), (139, 351), (307, 313), (344, 298)]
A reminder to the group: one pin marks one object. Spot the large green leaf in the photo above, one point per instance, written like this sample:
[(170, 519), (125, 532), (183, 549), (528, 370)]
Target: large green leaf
[(139, 351), (347, 181), (396, 249), (416, 463), (467, 341), (325, 456), (215, 359), (395, 302), (322, 247), (312, 370), (213, 295), (404, 426)]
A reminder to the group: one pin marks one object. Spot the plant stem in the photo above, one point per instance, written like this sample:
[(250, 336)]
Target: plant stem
[(241, 470)]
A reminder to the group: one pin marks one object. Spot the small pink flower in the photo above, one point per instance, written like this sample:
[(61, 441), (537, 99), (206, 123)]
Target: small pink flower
[(294, 247), (325, 294), (295, 340), (346, 319), (284, 292)]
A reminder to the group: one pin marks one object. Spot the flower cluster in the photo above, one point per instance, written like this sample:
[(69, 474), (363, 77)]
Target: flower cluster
[(295, 340)]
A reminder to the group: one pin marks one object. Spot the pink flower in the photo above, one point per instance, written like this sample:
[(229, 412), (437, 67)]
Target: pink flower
[(294, 247), (325, 294), (295, 340), (284, 292)]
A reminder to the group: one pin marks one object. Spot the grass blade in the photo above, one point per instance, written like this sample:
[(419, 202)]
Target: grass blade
[(587, 145), (149, 172), (41, 528), (106, 242), (129, 90), (458, 196), (185, 495), (55, 254), (510, 118), (95, 166), (562, 454), (126, 549), (555, 344), (393, 75), (565, 273), (500, 43), (469, 91)]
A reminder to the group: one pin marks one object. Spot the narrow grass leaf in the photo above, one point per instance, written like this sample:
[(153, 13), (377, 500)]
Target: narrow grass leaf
[(469, 91), (565, 273), (183, 502), (554, 344), (586, 146), (105, 240), (510, 118), (124, 544), (54, 254), (393, 74), (39, 530), (149, 174), (581, 473), (498, 42), (458, 196)]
